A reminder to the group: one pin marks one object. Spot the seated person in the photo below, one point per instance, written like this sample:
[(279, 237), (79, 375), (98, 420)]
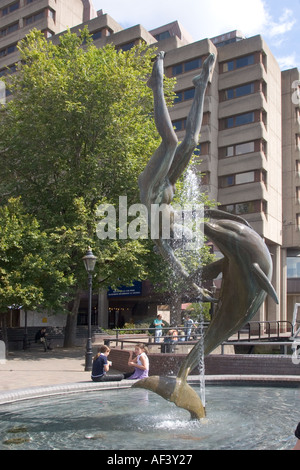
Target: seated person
[(101, 367), (140, 363), (171, 336), (40, 337)]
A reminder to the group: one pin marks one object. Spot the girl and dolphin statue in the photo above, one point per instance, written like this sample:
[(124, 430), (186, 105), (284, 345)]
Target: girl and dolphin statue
[(246, 265)]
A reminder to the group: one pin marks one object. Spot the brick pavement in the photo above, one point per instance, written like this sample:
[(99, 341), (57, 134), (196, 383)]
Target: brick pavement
[(31, 368)]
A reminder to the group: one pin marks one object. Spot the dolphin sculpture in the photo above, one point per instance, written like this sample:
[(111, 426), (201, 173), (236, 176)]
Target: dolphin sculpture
[(246, 272)]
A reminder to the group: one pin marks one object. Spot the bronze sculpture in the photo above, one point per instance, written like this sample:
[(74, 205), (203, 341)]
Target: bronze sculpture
[(246, 267)]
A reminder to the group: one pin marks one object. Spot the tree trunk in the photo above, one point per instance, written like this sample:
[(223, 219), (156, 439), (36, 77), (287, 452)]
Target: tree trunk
[(71, 325)]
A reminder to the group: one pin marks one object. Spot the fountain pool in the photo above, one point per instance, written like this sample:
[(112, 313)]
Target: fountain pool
[(238, 417)]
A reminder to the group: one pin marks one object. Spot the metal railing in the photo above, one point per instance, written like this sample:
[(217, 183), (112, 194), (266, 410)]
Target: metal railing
[(252, 331), (267, 329)]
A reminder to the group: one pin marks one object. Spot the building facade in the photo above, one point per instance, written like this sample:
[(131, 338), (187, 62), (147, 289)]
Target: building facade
[(249, 149)]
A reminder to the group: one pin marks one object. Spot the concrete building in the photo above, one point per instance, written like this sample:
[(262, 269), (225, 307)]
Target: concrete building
[(250, 138), (18, 17)]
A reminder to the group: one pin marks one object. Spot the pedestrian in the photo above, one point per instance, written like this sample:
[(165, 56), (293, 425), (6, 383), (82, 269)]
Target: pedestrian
[(41, 337), (158, 324), (188, 325), (101, 367), (140, 363)]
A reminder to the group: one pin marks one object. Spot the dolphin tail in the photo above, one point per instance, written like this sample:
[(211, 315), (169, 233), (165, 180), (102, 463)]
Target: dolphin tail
[(175, 390)]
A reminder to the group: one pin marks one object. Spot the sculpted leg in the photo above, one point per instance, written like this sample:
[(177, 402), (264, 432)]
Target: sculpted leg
[(152, 179), (194, 121)]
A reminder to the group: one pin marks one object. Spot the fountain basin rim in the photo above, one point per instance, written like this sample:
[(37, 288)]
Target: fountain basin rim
[(16, 395)]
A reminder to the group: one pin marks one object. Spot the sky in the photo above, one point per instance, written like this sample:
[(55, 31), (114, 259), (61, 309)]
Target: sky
[(278, 21)]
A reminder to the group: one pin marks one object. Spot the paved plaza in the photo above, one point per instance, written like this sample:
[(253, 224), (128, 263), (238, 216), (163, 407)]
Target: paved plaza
[(31, 368)]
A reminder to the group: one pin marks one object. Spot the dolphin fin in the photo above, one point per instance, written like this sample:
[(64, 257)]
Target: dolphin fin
[(264, 282)]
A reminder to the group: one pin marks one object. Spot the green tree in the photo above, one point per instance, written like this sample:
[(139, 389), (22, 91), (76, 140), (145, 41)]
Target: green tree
[(30, 275), (77, 134)]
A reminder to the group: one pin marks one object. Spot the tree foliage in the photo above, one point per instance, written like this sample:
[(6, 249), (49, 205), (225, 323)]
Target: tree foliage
[(76, 134), (30, 274)]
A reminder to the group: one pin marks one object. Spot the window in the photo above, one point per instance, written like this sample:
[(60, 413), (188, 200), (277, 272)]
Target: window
[(163, 35), (9, 29), (202, 149), (239, 178), (244, 61), (186, 66), (127, 47), (51, 14), (9, 9), (185, 95), (8, 50), (293, 266), (245, 207), (243, 119), (35, 17), (241, 149), (48, 34), (97, 35), (247, 177), (238, 63), (239, 120), (228, 66), (192, 64), (179, 124)]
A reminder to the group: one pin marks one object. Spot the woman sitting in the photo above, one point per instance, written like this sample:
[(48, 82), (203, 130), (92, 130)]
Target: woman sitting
[(140, 363), (101, 366)]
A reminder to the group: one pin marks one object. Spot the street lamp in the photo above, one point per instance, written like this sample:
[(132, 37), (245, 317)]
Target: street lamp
[(89, 263)]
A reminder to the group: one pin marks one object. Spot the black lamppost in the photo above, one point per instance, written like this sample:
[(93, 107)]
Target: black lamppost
[(89, 263)]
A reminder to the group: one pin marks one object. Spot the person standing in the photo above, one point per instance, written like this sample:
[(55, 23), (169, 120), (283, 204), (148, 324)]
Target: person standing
[(188, 325), (158, 324)]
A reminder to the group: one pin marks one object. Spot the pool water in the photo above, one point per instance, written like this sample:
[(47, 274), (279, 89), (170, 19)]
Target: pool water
[(238, 417)]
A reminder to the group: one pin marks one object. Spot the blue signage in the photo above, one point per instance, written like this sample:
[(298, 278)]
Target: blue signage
[(135, 289)]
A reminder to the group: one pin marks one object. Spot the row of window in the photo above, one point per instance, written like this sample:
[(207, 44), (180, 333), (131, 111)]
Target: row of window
[(243, 178), (180, 124), (259, 145), (9, 29), (10, 8), (13, 7), (8, 50), (248, 207), (229, 94), (47, 12), (243, 119), (228, 66), (244, 148)]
